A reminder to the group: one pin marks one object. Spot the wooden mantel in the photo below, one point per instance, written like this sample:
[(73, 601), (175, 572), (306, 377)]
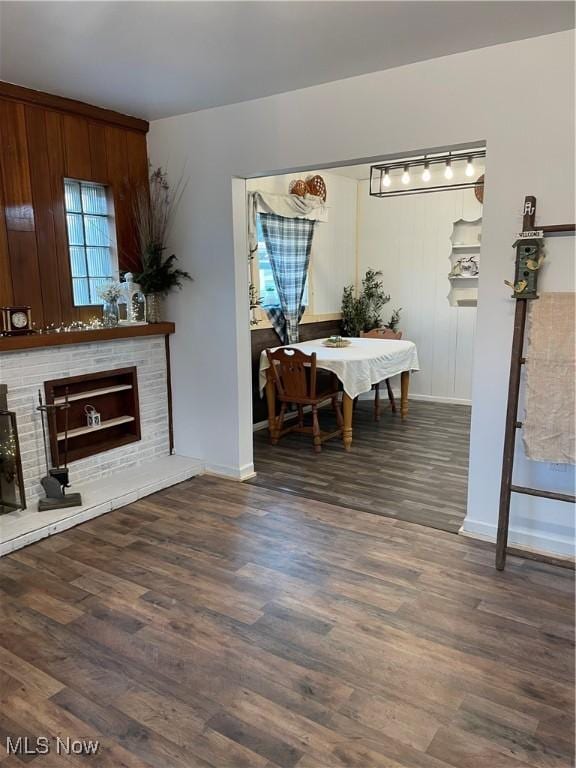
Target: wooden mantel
[(40, 340)]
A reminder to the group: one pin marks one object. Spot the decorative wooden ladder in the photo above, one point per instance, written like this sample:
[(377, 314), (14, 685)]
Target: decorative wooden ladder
[(516, 363)]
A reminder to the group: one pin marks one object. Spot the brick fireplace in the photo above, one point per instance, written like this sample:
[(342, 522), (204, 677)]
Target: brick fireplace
[(136, 369)]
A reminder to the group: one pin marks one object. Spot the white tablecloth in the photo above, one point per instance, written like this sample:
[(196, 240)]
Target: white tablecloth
[(360, 365)]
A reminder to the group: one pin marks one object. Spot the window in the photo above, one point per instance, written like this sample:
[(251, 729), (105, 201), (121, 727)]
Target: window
[(90, 239), (267, 287)]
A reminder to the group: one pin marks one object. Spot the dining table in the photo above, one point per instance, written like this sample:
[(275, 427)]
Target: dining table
[(358, 365)]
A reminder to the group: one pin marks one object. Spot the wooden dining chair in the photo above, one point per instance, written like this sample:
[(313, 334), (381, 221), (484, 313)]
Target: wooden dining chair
[(382, 333), (295, 377)]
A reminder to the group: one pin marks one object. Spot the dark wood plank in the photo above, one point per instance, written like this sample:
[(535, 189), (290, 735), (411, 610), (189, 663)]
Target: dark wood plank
[(42, 193), (225, 624), (416, 470)]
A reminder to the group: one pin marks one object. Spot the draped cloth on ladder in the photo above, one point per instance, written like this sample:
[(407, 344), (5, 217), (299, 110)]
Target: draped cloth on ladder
[(288, 227), (549, 425)]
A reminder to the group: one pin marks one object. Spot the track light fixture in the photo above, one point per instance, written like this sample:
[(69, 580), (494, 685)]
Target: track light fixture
[(456, 174)]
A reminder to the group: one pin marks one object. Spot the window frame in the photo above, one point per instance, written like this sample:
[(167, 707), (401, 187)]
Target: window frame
[(110, 218)]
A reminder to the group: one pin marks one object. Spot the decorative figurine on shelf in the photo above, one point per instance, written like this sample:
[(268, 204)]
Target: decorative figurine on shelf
[(56, 479)]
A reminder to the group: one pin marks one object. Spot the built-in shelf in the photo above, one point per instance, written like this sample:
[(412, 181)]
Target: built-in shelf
[(104, 425), (113, 393), (464, 257), (91, 393), (463, 277)]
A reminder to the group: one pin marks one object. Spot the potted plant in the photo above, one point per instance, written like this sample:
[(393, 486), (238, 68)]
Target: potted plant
[(153, 213), (363, 312)]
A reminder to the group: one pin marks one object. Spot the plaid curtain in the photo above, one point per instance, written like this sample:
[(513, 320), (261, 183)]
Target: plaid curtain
[(288, 242)]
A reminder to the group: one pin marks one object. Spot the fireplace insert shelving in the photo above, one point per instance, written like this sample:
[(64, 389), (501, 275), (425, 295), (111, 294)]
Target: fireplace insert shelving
[(113, 394)]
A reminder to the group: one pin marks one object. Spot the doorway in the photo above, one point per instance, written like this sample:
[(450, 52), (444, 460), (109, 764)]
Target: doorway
[(426, 251)]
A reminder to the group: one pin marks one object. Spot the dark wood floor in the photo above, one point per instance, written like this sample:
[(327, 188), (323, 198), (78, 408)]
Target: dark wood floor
[(416, 471), (222, 624)]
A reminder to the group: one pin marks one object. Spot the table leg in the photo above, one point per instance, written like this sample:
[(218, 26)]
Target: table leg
[(404, 385), (271, 400), (347, 410)]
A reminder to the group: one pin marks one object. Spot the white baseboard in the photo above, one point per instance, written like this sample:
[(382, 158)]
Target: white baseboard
[(539, 544), (246, 472), (417, 397), (24, 527)]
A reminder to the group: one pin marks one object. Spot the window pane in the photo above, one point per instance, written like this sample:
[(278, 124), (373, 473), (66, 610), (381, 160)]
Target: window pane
[(81, 296), (94, 199), (78, 261), (99, 262), (75, 230), (72, 195), (96, 230), (268, 292), (95, 284)]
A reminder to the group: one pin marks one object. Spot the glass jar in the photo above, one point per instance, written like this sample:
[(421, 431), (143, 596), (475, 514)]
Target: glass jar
[(153, 307), (138, 307), (110, 314)]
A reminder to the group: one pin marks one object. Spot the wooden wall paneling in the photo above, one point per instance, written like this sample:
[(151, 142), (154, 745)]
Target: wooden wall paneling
[(98, 156), (25, 273), (119, 175), (15, 173), (43, 199), (78, 163), (57, 172), (63, 105), (6, 293), (44, 139), (18, 208)]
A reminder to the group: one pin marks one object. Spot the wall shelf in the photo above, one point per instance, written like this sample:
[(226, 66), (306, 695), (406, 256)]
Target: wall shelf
[(463, 277), (92, 393), (88, 430), (465, 247)]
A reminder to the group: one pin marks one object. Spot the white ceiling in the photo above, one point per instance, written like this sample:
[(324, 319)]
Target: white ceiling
[(155, 59)]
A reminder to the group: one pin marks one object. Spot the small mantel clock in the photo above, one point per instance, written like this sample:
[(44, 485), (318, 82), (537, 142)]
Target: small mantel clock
[(15, 320)]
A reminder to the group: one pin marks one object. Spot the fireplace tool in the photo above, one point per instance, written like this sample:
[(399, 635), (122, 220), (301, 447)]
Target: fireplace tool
[(56, 479)]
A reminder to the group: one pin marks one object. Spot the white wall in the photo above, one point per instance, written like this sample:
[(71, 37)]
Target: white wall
[(333, 255), (413, 108), (408, 239)]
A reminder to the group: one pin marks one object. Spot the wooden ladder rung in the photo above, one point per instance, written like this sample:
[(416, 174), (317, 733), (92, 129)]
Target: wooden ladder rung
[(543, 494)]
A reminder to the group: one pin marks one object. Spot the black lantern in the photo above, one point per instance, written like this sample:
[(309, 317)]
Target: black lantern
[(12, 494)]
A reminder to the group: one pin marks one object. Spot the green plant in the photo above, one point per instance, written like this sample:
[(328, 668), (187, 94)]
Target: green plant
[(153, 212), (363, 312), (392, 324)]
